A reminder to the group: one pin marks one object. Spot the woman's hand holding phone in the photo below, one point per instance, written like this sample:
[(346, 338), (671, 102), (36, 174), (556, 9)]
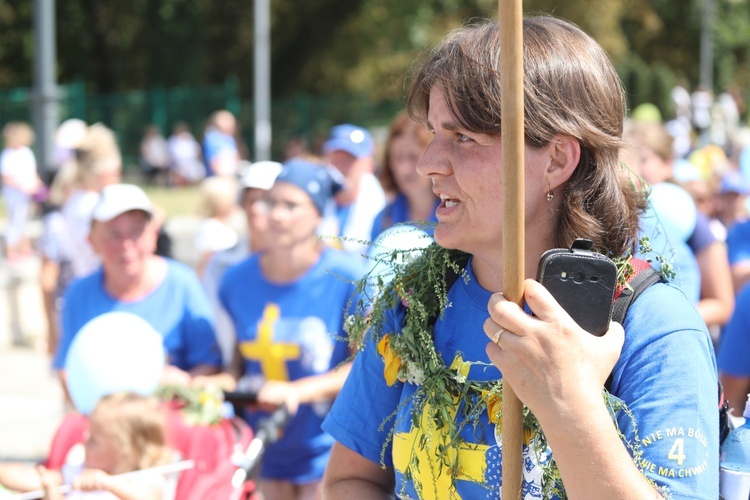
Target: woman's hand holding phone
[(548, 359)]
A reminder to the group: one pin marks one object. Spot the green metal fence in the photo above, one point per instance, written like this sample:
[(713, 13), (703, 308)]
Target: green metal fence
[(128, 113)]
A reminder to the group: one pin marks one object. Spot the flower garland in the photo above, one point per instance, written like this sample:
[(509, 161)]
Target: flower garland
[(199, 405), (445, 396)]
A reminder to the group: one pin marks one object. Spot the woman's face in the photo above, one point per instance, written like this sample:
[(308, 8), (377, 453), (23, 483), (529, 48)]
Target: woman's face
[(466, 173), (292, 216), (124, 243), (404, 155)]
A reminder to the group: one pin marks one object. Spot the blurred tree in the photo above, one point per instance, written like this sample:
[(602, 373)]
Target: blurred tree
[(374, 49), (732, 40), (117, 45), (16, 43), (354, 46)]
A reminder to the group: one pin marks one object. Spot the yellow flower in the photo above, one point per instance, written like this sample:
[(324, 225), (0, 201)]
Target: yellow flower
[(528, 435), (390, 357), (494, 407), (461, 368)]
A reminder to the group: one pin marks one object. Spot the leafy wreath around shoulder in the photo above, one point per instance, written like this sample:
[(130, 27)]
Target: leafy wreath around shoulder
[(417, 280)]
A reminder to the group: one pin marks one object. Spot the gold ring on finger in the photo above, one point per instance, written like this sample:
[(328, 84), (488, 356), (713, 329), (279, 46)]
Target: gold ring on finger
[(498, 334)]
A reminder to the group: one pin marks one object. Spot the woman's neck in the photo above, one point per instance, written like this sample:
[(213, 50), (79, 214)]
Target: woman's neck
[(288, 264), (489, 267), (134, 288)]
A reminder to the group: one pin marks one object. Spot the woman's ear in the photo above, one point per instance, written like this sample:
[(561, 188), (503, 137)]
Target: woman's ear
[(565, 153)]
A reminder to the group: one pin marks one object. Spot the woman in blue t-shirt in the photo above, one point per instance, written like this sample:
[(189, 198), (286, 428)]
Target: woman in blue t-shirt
[(287, 304), (420, 415)]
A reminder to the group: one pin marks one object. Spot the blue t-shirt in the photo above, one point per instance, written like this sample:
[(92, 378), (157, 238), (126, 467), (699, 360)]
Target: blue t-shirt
[(214, 144), (667, 352), (734, 343), (178, 308), (396, 212), (287, 332), (702, 235), (738, 242)]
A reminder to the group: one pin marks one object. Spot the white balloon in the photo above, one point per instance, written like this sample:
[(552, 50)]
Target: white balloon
[(113, 352), (406, 240), (668, 222), (673, 209)]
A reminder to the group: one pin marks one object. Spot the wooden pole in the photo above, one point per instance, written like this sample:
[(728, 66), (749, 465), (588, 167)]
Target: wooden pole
[(510, 18)]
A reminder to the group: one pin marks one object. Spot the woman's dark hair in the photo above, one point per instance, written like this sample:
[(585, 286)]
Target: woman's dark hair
[(570, 88)]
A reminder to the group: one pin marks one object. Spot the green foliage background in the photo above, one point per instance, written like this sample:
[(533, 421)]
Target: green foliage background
[(351, 46)]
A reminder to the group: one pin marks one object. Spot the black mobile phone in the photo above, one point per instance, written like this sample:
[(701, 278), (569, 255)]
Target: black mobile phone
[(583, 283)]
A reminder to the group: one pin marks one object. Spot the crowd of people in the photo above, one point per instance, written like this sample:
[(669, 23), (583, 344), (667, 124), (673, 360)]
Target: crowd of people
[(268, 308), (308, 225)]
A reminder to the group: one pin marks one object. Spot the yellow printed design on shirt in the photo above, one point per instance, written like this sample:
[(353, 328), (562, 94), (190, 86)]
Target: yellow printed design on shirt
[(430, 472), (674, 461), (271, 355)]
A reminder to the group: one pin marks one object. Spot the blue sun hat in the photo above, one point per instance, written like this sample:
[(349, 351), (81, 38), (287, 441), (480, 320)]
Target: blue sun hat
[(314, 179), (733, 182), (356, 141)]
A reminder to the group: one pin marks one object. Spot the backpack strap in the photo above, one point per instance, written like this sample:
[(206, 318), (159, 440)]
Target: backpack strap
[(642, 277)]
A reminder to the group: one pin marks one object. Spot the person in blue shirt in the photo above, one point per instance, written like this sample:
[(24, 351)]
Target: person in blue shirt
[(287, 303), (700, 260), (417, 417), (350, 150), (220, 151), (164, 292), (733, 354)]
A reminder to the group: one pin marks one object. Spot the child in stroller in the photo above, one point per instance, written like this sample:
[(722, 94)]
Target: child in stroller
[(218, 446), (126, 433)]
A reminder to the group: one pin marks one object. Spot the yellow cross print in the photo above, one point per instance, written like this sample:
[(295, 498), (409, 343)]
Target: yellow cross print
[(431, 476), (271, 355)]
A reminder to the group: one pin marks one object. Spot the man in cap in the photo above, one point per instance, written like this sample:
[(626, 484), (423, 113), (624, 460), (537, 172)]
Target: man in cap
[(351, 150), (166, 293)]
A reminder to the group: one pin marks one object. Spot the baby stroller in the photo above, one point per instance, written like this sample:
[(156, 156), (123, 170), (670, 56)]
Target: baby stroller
[(224, 453)]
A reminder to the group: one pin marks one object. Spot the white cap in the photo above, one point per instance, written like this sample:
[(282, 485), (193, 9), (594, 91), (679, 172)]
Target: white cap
[(260, 175), (117, 199), (70, 134)]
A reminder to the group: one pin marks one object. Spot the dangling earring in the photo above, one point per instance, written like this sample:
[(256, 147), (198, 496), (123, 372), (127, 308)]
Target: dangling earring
[(549, 194)]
